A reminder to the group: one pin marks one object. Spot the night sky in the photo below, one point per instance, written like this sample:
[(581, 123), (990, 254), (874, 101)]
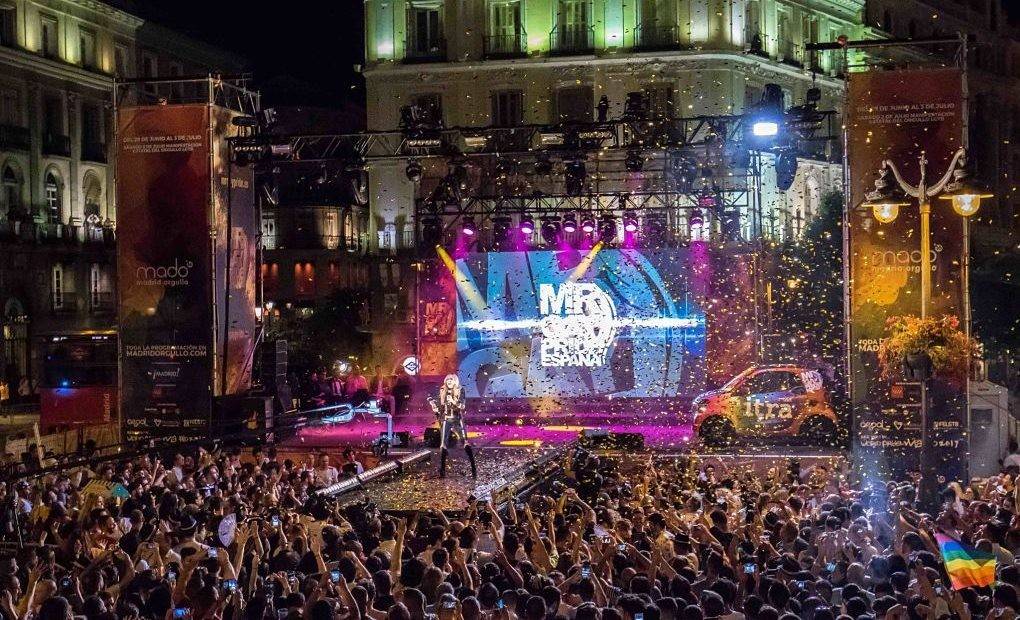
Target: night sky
[(301, 53)]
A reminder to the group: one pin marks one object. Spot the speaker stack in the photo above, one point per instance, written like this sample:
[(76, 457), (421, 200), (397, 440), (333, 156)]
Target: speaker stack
[(274, 375)]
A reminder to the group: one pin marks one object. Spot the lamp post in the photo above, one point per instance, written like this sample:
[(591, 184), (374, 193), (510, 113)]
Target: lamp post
[(890, 194)]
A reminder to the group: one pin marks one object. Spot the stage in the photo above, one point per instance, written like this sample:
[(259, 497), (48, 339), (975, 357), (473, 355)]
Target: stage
[(505, 445)]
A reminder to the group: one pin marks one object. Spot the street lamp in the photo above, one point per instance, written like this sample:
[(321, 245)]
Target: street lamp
[(890, 194)]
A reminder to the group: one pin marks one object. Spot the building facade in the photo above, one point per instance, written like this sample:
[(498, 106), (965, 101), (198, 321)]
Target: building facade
[(58, 213)]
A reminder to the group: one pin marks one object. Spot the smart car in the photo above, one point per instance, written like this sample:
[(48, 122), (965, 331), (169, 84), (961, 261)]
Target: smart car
[(767, 401)]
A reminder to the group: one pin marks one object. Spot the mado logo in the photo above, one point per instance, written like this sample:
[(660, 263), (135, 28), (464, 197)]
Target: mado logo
[(578, 324), (903, 260), (174, 274)]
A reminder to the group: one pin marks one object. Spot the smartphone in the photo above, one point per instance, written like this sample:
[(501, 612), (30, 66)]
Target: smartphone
[(586, 570), (229, 586), (171, 574), (802, 584), (831, 567), (334, 576), (639, 616), (450, 605), (182, 612), (274, 520), (500, 604), (214, 552), (837, 597), (938, 590), (749, 568), (622, 547), (65, 582)]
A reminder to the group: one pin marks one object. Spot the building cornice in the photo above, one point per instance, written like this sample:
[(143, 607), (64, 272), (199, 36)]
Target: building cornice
[(111, 12), (582, 63), (54, 69)]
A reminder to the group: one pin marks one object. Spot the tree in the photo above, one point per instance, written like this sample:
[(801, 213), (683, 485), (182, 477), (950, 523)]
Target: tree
[(330, 332)]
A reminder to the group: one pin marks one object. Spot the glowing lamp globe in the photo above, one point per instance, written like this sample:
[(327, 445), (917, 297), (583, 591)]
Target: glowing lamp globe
[(966, 200), (885, 212)]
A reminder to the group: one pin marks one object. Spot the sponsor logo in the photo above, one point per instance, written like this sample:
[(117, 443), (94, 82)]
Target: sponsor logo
[(578, 324), (903, 260), (175, 274)]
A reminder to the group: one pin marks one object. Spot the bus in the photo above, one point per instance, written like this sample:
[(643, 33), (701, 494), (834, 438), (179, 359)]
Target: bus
[(79, 380)]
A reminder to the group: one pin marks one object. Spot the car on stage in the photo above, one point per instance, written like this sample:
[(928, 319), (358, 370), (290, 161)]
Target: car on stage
[(768, 401)]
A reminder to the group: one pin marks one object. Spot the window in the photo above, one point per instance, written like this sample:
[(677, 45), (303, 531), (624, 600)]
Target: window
[(507, 108), (49, 36), (57, 287), (304, 280), (752, 23), (87, 48), (53, 115), (430, 106), (771, 381), (887, 21), (8, 19), (10, 106), (53, 198), (912, 29), (92, 190), (149, 71), (660, 100), (92, 128), (573, 25), (269, 231), (100, 287), (505, 30), (176, 90), (11, 178), (330, 230), (425, 29), (120, 61), (574, 104)]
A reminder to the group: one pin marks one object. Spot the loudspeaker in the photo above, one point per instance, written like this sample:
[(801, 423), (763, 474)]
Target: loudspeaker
[(432, 436), (274, 374), (631, 442)]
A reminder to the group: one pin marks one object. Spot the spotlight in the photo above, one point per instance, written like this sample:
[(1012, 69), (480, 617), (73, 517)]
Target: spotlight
[(413, 171), (588, 225), (501, 226), (431, 231), (655, 227), (569, 223), (550, 230), (696, 218), (768, 115), (543, 165), (630, 223), (765, 128), (467, 226), (634, 162), (527, 225), (607, 229)]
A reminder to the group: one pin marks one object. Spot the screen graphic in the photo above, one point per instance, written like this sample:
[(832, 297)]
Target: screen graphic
[(615, 323)]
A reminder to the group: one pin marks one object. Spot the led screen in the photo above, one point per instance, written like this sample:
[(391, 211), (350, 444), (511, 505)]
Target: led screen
[(615, 323)]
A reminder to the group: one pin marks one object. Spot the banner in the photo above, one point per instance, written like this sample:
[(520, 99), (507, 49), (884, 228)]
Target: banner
[(897, 115), (163, 267)]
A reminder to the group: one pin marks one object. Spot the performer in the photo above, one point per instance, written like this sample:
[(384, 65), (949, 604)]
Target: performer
[(450, 413)]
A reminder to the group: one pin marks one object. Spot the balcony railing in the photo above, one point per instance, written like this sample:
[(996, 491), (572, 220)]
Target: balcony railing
[(572, 40), (506, 45), (754, 42), (14, 138), (790, 53), (94, 152), (63, 302), (100, 302), (425, 50), (55, 144), (656, 35)]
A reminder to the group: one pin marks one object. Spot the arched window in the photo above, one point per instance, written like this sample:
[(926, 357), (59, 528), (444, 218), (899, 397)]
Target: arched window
[(54, 197), (887, 21), (92, 192), (11, 179), (912, 29)]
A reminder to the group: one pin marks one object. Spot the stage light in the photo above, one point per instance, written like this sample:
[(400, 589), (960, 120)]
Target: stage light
[(655, 227), (635, 162), (501, 227), (467, 226), (630, 223), (588, 225), (550, 230), (527, 225), (607, 229), (765, 128), (695, 218), (413, 171), (569, 223)]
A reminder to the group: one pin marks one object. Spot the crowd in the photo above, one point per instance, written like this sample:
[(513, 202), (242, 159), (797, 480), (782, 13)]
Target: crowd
[(321, 388), (220, 534)]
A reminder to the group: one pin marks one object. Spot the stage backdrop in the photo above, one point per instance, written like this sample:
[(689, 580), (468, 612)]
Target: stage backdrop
[(552, 327), (170, 271), (896, 115)]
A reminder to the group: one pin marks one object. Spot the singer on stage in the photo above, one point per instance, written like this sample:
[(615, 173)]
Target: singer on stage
[(449, 411)]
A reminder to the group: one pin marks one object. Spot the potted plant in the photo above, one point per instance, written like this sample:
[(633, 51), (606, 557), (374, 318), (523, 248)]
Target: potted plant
[(918, 349)]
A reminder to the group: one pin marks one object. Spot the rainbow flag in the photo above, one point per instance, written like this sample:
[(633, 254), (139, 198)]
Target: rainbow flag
[(967, 567)]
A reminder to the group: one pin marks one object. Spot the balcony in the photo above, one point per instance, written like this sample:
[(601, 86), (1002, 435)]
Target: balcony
[(101, 302), (425, 50), (57, 145), (791, 53), (63, 302), (654, 35), (14, 138), (754, 42), (94, 152), (572, 40), (506, 45)]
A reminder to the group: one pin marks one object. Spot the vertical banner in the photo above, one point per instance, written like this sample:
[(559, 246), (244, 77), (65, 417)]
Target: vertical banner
[(163, 267), (234, 275), (897, 115)]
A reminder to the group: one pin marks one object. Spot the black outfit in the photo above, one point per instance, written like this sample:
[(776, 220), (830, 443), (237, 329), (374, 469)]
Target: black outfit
[(450, 412)]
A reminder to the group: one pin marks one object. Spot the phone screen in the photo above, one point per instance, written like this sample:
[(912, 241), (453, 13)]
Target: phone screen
[(749, 568), (274, 520), (831, 567), (182, 612), (450, 605), (229, 585), (213, 552), (622, 547), (334, 576), (586, 571), (639, 616), (500, 604)]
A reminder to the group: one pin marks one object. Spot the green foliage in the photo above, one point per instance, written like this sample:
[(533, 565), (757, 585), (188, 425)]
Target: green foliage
[(329, 333), (940, 337)]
